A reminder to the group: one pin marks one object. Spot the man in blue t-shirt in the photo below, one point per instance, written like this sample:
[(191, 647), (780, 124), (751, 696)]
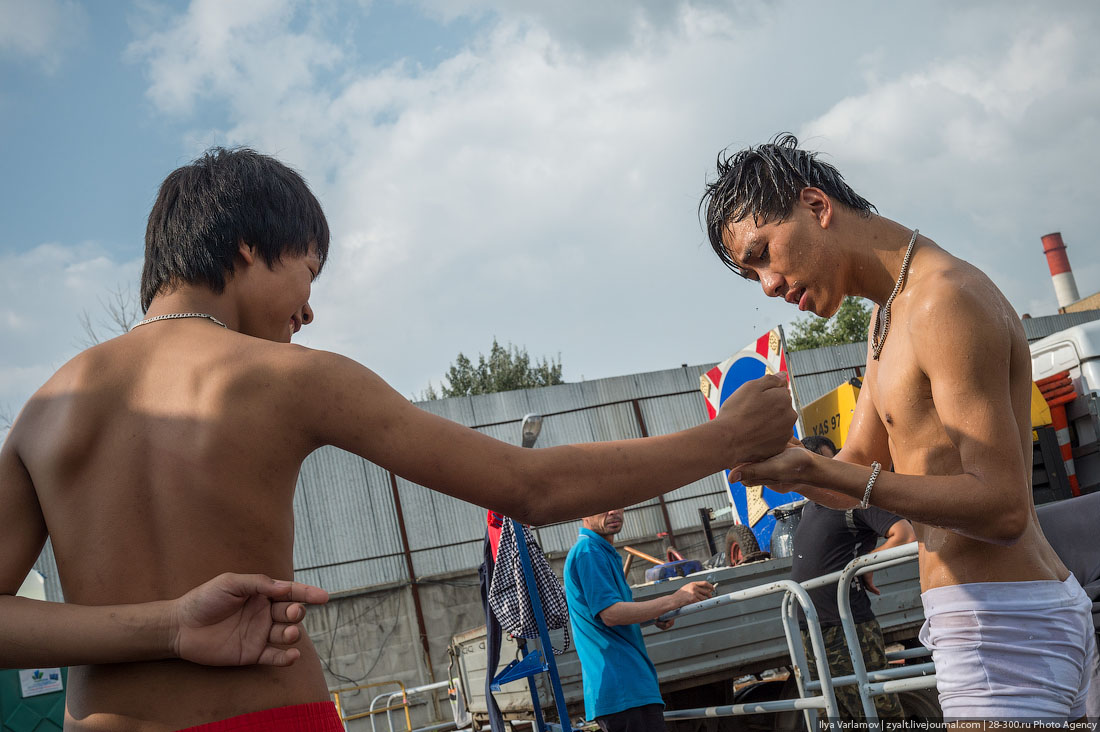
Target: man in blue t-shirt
[(620, 683)]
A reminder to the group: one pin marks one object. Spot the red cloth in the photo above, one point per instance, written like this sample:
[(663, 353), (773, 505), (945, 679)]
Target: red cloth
[(495, 521), (315, 717)]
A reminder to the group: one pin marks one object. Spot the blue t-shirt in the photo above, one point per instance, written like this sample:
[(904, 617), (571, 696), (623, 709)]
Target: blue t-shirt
[(617, 672)]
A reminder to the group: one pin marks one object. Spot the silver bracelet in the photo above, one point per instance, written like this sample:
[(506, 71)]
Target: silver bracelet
[(875, 468)]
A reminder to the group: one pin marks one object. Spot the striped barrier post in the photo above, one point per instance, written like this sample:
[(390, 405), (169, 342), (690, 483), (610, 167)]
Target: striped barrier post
[(1058, 391)]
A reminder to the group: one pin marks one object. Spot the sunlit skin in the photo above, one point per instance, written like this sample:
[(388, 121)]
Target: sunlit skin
[(901, 532), (607, 525), (170, 454), (947, 406)]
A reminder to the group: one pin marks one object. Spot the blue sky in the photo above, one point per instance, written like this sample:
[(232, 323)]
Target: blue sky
[(529, 170)]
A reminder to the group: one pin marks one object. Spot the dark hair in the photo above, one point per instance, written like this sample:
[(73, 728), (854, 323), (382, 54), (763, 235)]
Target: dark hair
[(814, 443), (764, 182), (204, 209)]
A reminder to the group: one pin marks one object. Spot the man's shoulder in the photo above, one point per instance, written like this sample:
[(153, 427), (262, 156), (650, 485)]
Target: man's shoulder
[(581, 547), (83, 373), (953, 296), (585, 550)]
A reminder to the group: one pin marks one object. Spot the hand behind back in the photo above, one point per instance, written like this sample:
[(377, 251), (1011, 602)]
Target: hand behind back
[(239, 619)]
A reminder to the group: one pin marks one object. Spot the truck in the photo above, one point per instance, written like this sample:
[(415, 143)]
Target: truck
[(737, 653)]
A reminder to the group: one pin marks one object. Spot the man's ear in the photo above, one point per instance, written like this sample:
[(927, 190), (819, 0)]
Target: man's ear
[(246, 251), (819, 203)]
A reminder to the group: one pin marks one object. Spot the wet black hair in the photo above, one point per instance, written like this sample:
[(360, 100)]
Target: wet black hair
[(224, 197), (764, 182), (814, 443)]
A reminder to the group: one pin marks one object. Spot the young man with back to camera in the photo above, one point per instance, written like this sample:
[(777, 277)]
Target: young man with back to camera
[(170, 454)]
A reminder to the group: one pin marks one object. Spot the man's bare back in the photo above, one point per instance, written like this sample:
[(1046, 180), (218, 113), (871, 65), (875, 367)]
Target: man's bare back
[(169, 456), (194, 474)]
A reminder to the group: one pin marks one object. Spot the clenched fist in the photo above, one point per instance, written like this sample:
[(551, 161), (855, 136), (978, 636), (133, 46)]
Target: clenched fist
[(761, 418)]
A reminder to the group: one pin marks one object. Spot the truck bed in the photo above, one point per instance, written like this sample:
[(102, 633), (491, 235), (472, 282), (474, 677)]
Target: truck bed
[(722, 643)]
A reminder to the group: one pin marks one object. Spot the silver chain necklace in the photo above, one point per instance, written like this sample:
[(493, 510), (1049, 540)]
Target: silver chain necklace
[(876, 343), (173, 316)]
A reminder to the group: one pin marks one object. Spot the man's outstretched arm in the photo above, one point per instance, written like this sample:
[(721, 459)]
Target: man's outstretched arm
[(344, 404), (231, 620)]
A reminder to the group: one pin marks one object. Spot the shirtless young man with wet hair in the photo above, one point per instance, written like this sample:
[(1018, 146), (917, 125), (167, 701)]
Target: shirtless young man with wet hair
[(169, 455), (945, 404)]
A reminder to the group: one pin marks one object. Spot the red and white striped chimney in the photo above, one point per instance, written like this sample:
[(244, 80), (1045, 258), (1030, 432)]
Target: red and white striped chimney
[(1065, 287)]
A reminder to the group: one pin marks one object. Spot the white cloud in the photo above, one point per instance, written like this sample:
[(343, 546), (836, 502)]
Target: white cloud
[(45, 290), (251, 53), (540, 184), (41, 30), (992, 145)]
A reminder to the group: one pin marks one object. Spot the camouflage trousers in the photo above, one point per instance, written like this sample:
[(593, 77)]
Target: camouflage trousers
[(840, 664)]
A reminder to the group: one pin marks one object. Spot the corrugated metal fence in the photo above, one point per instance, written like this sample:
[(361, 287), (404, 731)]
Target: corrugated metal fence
[(359, 526)]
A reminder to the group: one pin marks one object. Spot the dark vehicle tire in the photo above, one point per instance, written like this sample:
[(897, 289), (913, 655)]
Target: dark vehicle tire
[(921, 705), (742, 537)]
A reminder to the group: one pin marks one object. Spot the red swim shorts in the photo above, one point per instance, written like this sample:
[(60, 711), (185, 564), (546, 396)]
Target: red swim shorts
[(315, 717)]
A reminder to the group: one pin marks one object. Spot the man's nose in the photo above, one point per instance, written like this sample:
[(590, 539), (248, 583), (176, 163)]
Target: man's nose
[(772, 285), (307, 314)]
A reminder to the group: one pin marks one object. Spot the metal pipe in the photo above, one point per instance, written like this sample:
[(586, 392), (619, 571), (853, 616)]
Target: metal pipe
[(704, 518), (420, 625), (642, 555), (889, 674), (405, 694), (856, 567), (896, 685), (540, 621), (798, 655), (817, 642), (440, 726), (660, 496), (339, 707), (782, 705), (908, 653)]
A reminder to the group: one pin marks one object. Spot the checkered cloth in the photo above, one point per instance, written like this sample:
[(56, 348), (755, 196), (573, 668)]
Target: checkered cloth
[(508, 596)]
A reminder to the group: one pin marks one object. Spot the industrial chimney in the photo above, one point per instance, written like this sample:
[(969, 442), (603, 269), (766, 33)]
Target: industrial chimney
[(1065, 288)]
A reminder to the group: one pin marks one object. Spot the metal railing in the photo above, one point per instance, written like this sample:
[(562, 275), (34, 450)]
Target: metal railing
[(869, 684), (390, 697), (826, 700)]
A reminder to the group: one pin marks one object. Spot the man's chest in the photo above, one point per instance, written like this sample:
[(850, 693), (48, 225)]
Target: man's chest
[(901, 391)]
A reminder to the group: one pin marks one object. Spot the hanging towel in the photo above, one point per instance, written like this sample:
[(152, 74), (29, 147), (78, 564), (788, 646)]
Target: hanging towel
[(508, 594)]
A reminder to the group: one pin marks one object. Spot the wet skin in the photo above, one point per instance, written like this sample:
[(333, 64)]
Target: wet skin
[(947, 404), (170, 454)]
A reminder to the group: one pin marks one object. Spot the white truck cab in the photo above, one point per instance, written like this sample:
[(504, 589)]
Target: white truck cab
[(1075, 349)]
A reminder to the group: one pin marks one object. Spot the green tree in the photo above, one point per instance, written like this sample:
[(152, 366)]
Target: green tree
[(848, 325), (506, 368)]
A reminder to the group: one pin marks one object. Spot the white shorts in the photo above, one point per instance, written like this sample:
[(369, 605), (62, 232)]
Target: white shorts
[(1019, 650)]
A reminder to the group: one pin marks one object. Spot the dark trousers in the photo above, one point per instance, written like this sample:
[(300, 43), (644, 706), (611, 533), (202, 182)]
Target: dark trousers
[(840, 664), (648, 718)]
